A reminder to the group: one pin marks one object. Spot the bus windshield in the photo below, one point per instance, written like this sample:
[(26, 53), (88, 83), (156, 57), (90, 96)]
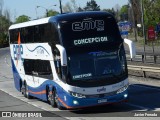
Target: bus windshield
[(94, 65)]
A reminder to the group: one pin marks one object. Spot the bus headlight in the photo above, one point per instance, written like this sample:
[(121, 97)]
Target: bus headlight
[(122, 89), (77, 95)]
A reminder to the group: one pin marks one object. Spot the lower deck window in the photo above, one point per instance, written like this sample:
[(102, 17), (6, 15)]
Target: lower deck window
[(38, 68)]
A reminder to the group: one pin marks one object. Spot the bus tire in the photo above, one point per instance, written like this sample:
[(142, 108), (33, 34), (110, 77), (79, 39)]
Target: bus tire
[(51, 98), (20, 85), (26, 94), (57, 102)]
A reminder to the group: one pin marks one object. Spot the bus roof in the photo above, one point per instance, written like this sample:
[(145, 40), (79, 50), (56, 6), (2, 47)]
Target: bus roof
[(79, 15), (30, 23), (60, 17)]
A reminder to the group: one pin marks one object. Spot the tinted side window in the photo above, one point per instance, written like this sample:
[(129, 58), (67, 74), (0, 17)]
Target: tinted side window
[(43, 68), (28, 66), (26, 34), (13, 36), (37, 35), (30, 35), (38, 68), (49, 33), (45, 33)]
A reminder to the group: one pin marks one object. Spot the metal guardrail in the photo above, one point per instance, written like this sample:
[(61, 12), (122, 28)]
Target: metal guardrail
[(144, 69), (143, 56)]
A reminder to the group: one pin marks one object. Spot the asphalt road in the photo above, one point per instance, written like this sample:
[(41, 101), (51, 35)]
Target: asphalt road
[(144, 98)]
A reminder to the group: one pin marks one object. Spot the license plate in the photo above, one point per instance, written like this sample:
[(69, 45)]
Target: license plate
[(102, 101)]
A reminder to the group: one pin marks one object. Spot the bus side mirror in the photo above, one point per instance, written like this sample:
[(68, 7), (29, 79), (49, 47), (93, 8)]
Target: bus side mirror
[(63, 55), (132, 48), (63, 58)]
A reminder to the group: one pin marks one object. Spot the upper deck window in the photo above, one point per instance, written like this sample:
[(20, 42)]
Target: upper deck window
[(44, 33)]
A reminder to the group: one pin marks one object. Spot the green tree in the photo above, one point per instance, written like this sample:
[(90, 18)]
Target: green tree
[(151, 12), (80, 9), (22, 18), (110, 11), (124, 12), (52, 13), (124, 9), (92, 6), (4, 25)]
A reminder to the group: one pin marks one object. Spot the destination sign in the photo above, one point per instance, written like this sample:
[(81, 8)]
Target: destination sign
[(90, 40)]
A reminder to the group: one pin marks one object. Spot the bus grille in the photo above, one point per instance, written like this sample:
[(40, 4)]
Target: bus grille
[(102, 95)]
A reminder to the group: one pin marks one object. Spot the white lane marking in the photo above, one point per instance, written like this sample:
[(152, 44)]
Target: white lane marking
[(146, 87)]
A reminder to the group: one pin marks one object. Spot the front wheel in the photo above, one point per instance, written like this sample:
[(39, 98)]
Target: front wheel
[(51, 98), (57, 102)]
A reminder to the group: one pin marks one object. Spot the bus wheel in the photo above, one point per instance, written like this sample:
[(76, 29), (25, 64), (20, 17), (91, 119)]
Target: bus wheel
[(57, 102), (20, 85), (51, 98), (26, 94)]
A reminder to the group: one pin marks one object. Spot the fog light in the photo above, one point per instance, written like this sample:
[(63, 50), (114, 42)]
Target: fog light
[(125, 95), (78, 95), (75, 102)]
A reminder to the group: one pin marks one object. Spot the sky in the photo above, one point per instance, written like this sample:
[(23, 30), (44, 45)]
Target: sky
[(29, 7)]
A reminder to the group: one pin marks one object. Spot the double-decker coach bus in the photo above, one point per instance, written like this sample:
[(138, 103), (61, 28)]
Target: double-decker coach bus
[(73, 60)]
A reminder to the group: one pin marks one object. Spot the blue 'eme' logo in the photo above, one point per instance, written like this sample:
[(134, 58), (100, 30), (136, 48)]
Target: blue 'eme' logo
[(103, 89)]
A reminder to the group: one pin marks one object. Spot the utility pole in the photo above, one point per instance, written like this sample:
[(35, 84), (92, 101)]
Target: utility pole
[(60, 3), (144, 32)]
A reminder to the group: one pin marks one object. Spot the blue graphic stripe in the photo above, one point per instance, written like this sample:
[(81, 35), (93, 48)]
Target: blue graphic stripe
[(39, 47)]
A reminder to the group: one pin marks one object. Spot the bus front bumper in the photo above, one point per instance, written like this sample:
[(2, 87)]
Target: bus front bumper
[(71, 102)]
